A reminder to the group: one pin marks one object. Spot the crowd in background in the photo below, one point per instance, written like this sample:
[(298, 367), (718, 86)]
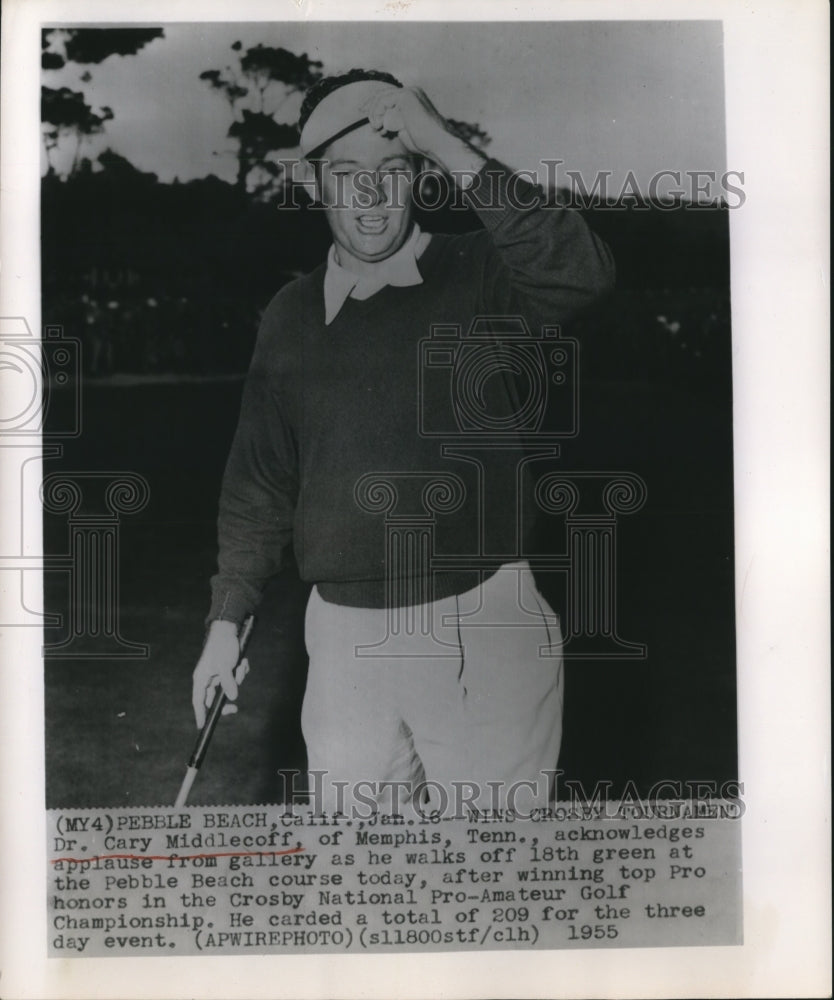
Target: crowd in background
[(660, 335), (152, 335), (679, 335)]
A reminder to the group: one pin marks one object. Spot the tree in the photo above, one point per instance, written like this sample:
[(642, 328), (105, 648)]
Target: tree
[(257, 88), (94, 45), (258, 134), (64, 112)]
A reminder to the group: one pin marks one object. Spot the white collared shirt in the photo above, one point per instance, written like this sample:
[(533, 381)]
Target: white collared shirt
[(400, 269)]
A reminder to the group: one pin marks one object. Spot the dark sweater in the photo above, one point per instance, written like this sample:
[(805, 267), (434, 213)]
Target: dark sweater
[(324, 406)]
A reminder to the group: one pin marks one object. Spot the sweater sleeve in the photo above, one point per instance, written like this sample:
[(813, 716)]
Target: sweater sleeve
[(260, 484), (545, 263)]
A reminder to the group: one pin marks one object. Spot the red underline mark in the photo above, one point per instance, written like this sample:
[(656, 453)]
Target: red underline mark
[(177, 857)]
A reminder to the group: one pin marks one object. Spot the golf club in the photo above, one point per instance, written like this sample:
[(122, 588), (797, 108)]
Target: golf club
[(216, 710)]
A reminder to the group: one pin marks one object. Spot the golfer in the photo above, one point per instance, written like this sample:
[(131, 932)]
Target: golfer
[(427, 679)]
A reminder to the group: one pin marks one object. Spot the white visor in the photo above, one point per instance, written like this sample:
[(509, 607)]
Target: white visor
[(340, 112)]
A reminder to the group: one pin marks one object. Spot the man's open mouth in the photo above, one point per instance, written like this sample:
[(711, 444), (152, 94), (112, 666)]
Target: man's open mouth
[(371, 224)]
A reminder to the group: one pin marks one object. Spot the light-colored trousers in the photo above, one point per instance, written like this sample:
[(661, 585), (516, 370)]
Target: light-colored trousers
[(457, 703)]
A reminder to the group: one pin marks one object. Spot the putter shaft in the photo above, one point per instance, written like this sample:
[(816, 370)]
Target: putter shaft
[(216, 710)]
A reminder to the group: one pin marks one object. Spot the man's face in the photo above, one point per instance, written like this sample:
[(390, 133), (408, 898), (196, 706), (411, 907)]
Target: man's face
[(365, 187)]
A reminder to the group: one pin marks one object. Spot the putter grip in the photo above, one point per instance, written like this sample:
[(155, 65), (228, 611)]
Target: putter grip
[(216, 710)]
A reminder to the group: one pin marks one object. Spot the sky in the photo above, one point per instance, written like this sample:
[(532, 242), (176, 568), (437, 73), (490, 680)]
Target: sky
[(619, 96)]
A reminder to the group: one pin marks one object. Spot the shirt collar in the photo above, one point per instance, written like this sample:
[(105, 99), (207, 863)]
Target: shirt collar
[(400, 270)]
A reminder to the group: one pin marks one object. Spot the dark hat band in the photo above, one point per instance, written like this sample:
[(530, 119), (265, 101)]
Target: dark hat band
[(315, 153)]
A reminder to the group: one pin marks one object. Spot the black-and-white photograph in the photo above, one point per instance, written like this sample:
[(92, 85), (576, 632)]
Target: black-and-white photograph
[(382, 416), (478, 276)]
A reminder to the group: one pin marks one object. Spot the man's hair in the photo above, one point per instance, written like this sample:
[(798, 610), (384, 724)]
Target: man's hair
[(326, 86)]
